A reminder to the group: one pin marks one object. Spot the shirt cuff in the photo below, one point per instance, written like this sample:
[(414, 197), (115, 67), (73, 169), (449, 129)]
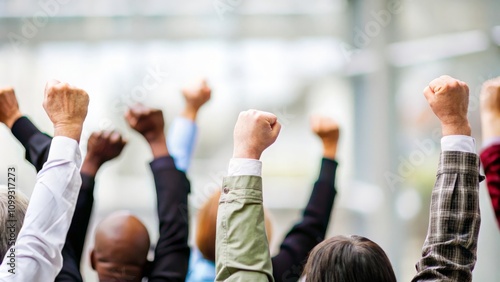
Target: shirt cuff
[(64, 148), (461, 143), (239, 167), (491, 141)]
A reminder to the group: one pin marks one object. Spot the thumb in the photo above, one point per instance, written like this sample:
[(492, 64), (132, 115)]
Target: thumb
[(270, 118), (275, 129)]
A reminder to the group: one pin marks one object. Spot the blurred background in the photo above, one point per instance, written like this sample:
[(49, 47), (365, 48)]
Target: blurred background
[(364, 63)]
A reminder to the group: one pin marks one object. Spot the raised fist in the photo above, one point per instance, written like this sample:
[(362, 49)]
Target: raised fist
[(66, 107), (328, 131), (490, 108), (104, 146), (449, 100), (253, 133), (9, 109), (148, 122), (196, 96)]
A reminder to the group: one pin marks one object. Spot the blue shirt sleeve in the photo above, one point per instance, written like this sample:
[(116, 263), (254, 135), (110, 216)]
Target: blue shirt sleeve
[(181, 141)]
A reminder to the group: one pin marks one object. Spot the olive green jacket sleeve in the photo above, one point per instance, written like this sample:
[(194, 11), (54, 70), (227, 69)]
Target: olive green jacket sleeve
[(242, 249)]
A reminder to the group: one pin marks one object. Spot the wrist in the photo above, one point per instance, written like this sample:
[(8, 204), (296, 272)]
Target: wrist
[(159, 146), (329, 151), (490, 126), (190, 112), (246, 154), (11, 120), (91, 165), (462, 128), (72, 131)]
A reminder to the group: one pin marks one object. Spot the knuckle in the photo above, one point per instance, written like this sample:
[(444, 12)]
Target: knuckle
[(453, 84)]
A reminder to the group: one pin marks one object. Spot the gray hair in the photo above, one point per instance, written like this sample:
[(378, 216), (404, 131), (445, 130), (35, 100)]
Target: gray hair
[(13, 205)]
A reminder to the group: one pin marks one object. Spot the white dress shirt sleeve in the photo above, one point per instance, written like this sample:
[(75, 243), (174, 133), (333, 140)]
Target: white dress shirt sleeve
[(461, 143), (46, 224), (239, 167)]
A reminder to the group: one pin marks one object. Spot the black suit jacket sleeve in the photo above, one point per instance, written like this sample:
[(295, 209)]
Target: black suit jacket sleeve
[(81, 218), (73, 249), (172, 250), (37, 147), (36, 143), (70, 271), (303, 237)]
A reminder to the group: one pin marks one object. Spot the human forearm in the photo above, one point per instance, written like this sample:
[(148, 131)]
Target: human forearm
[(23, 129), (172, 250), (159, 147), (311, 230), (81, 218), (71, 130), (42, 237), (458, 127), (91, 165), (36, 143), (11, 120), (190, 112), (449, 252), (242, 247)]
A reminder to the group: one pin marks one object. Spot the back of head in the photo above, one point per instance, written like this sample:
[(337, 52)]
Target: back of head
[(13, 205), (348, 259), (121, 248), (207, 225)]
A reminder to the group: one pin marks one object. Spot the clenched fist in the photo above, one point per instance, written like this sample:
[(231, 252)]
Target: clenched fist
[(9, 108), (490, 108), (102, 146), (66, 107), (150, 124), (328, 131), (254, 132), (105, 145), (449, 100), (195, 96), (147, 121)]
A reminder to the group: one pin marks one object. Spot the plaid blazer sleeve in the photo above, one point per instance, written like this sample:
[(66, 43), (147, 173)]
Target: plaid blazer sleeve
[(449, 251)]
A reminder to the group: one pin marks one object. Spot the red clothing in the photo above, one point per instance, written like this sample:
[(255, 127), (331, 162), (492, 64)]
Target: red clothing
[(490, 158)]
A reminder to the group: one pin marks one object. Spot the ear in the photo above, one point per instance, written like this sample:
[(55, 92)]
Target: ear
[(92, 259)]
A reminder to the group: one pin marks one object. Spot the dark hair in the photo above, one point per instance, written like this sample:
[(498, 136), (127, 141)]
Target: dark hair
[(348, 259)]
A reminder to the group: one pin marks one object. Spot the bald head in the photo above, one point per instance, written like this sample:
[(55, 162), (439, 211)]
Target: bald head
[(121, 241)]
